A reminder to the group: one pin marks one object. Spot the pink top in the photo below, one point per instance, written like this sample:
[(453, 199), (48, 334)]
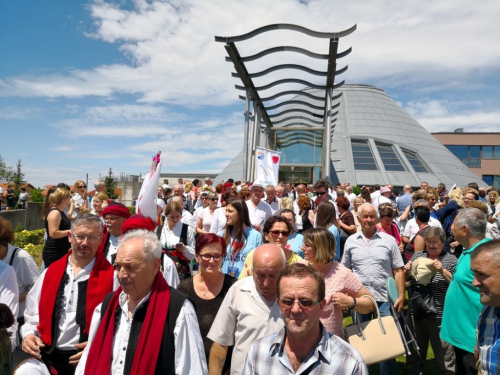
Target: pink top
[(339, 279), (394, 232)]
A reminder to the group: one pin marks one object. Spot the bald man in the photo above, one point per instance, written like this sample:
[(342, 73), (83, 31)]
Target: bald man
[(249, 311)]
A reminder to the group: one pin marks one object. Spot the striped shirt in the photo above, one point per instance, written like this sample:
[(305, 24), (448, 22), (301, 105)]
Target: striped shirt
[(438, 284), (488, 340), (332, 355)]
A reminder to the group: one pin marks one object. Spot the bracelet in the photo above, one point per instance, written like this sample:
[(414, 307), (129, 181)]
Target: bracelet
[(354, 305)]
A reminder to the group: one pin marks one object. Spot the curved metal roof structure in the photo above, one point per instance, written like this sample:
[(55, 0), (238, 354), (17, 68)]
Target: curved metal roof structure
[(376, 141), (313, 111)]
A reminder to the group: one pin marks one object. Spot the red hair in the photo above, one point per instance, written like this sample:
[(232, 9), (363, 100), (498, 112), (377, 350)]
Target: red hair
[(207, 238)]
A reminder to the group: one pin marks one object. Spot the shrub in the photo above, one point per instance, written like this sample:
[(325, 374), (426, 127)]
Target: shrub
[(132, 210), (25, 238)]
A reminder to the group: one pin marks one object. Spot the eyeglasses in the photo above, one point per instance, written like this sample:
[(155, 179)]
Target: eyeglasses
[(90, 239), (276, 233), (207, 257), (305, 304), (82, 187), (433, 243), (319, 192), (433, 199)]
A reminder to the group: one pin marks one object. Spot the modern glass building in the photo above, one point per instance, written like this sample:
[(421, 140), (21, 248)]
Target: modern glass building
[(374, 141)]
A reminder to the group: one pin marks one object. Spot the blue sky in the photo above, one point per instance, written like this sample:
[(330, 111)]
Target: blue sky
[(85, 86)]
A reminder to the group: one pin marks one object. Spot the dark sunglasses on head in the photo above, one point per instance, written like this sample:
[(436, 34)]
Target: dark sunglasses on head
[(319, 192)]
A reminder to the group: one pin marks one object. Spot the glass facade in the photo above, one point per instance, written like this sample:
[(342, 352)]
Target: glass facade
[(363, 156), (415, 162), (492, 180), (297, 147), (471, 155), (390, 159)]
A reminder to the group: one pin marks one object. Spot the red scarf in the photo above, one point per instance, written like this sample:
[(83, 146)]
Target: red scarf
[(104, 240), (148, 347), (99, 285)]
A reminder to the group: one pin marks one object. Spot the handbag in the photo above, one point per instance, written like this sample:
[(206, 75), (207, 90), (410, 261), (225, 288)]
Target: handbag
[(376, 340), (422, 302)]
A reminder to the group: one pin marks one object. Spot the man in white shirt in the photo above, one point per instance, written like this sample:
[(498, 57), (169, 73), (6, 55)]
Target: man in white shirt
[(290, 191), (249, 311), (280, 190), (376, 193), (412, 226), (59, 307), (349, 194), (258, 210), (145, 325), (385, 193), (272, 200), (114, 215)]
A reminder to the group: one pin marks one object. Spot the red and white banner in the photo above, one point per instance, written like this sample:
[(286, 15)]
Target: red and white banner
[(146, 202), (267, 165)]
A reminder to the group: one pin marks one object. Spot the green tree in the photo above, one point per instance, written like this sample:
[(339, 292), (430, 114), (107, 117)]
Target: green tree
[(18, 180), (110, 185), (36, 195), (5, 171)]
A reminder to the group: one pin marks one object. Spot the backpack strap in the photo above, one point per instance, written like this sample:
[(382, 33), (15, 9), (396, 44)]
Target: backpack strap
[(12, 256)]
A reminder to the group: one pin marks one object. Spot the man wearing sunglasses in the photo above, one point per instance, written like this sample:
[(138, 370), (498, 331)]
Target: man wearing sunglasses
[(303, 343), (321, 192)]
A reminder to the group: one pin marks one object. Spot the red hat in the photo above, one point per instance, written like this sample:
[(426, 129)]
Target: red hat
[(138, 222), (117, 209), (227, 184)]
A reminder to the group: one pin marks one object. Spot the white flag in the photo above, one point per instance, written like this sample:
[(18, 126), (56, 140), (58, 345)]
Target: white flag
[(267, 164), (146, 202)]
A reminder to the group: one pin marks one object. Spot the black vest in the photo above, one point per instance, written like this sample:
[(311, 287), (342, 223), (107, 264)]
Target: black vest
[(166, 360)]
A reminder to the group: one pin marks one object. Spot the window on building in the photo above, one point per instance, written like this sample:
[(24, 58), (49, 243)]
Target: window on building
[(469, 155), (415, 162), (363, 156), (389, 158), (487, 152), (488, 179), (496, 152)]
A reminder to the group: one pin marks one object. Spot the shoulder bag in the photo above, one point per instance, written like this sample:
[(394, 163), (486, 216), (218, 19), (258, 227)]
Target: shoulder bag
[(376, 340)]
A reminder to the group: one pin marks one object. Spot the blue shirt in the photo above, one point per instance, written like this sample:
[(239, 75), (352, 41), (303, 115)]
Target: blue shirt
[(331, 356), (295, 241), (335, 231), (488, 340), (403, 202), (234, 266)]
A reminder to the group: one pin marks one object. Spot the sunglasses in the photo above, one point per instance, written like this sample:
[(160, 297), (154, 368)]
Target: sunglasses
[(204, 198), (303, 303), (82, 187), (276, 233), (214, 199), (319, 192)]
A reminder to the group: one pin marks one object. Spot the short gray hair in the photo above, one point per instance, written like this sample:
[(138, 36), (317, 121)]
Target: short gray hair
[(421, 202), (366, 206), (491, 247), (179, 186), (86, 219), (99, 183), (474, 219), (435, 232), (151, 246)]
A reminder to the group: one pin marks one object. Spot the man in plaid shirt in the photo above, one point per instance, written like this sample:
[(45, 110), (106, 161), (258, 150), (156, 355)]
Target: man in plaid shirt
[(303, 346), (485, 263)]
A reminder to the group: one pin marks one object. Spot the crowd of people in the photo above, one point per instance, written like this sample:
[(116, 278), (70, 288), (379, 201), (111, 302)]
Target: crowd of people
[(246, 278)]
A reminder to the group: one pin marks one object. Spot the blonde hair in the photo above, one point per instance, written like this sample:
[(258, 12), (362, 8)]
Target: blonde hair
[(188, 186), (323, 242), (286, 203), (102, 196), (495, 193), (75, 186), (457, 196), (58, 196)]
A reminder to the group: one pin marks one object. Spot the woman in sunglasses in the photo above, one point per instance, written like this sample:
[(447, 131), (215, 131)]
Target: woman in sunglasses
[(276, 231), (80, 197), (209, 287), (343, 289), (206, 215)]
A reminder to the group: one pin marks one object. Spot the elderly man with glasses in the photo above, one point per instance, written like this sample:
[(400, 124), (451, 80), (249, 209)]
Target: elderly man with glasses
[(303, 345), (60, 305)]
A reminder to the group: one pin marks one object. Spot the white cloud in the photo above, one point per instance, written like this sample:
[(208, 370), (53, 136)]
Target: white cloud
[(173, 56), (19, 113)]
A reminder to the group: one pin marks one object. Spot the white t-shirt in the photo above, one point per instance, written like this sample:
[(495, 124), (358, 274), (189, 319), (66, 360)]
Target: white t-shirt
[(259, 214), (380, 200), (206, 218), (411, 227)]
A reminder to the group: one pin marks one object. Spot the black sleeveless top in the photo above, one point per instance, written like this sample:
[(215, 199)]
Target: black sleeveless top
[(56, 248), (306, 224), (207, 310)]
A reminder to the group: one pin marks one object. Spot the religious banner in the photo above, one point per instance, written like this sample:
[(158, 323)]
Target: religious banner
[(267, 164), (146, 202)]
